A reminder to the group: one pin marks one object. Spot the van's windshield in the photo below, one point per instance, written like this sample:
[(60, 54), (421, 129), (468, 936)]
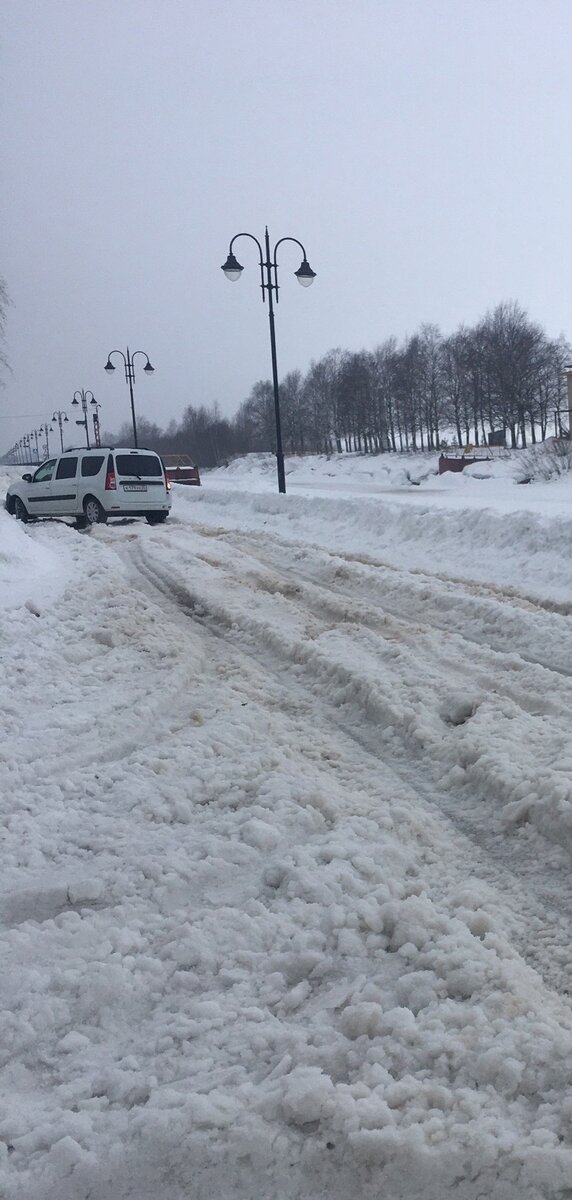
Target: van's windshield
[(143, 466)]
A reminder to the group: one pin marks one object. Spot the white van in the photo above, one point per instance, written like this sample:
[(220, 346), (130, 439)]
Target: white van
[(93, 485)]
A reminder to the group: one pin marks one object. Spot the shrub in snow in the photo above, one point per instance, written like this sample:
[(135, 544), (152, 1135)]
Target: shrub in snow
[(545, 462)]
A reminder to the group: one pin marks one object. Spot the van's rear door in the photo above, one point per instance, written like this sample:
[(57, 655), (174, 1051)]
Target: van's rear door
[(140, 479)]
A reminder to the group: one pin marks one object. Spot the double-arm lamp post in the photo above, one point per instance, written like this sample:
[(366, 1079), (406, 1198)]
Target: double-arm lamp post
[(46, 430), (130, 378), (62, 418), (81, 397), (269, 284)]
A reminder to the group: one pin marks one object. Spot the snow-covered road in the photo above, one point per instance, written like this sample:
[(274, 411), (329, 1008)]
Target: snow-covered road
[(378, 651), (286, 903)]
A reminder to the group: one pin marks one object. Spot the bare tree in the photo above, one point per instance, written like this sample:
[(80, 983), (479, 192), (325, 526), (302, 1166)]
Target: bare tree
[(256, 417), (456, 384), (512, 347), (4, 306), (293, 413), (387, 416)]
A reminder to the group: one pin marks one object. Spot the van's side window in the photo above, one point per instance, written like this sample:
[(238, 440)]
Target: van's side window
[(67, 468), (91, 465), (45, 472)]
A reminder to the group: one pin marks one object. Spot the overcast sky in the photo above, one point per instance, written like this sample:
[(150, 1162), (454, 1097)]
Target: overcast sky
[(418, 148)]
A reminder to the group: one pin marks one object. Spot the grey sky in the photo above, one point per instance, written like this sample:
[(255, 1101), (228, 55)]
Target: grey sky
[(418, 148)]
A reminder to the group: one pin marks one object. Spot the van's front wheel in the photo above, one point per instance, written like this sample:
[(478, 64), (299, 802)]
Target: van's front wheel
[(20, 511), (94, 513)]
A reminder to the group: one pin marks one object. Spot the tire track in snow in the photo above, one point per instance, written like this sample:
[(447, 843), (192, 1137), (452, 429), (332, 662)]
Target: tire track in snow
[(138, 623), (397, 614), (455, 603), (507, 594), (542, 931)]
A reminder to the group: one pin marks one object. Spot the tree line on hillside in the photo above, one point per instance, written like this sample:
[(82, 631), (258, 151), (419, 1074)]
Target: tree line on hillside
[(503, 374)]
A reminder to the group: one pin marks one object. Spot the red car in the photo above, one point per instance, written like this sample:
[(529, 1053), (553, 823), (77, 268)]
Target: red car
[(179, 468)]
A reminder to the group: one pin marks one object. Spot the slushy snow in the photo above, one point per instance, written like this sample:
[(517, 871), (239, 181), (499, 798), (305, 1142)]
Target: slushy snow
[(286, 793)]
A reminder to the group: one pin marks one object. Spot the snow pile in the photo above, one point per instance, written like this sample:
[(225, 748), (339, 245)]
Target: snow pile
[(29, 570), (357, 474)]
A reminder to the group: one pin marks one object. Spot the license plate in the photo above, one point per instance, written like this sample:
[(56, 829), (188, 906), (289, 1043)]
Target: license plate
[(134, 487)]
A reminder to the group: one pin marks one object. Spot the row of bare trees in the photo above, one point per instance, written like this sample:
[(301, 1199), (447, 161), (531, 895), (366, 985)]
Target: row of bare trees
[(503, 374)]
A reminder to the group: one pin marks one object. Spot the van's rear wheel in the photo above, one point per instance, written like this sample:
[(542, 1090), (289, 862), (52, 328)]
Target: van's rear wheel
[(156, 518), (20, 511), (94, 513)]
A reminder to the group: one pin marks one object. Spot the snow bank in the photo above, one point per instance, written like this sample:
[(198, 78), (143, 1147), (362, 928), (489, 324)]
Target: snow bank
[(521, 549), (31, 572)]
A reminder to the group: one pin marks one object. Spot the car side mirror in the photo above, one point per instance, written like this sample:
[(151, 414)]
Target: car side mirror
[(27, 478)]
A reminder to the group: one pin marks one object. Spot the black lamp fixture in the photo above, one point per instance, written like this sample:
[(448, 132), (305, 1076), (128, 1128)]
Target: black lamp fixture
[(305, 275), (232, 268)]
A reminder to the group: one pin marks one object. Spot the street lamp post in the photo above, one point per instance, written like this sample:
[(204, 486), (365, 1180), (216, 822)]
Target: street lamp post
[(84, 402), (305, 275), (130, 378), (45, 429), (96, 430), (35, 433), (62, 418)]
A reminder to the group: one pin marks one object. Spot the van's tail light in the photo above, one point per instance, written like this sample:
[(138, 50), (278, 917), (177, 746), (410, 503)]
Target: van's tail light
[(110, 482), (167, 480)]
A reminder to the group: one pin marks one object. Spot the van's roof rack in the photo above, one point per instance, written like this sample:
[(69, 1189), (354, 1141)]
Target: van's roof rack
[(95, 449)]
